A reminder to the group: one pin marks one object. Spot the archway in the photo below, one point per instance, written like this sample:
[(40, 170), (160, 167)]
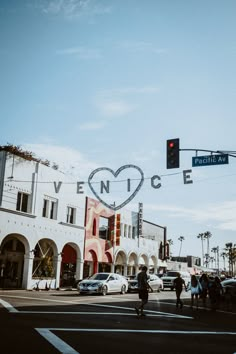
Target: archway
[(90, 264), (105, 265), (68, 266), (12, 253), (121, 263)]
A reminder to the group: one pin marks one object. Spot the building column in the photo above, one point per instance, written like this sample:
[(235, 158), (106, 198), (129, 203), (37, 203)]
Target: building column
[(27, 272), (58, 271), (125, 269), (112, 268), (79, 269)]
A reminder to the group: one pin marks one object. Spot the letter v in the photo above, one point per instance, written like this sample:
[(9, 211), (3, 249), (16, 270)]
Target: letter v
[(57, 187)]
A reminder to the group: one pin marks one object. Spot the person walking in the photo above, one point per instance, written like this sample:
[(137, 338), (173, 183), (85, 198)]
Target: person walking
[(179, 283), (215, 292), (143, 289), (196, 289), (204, 281)]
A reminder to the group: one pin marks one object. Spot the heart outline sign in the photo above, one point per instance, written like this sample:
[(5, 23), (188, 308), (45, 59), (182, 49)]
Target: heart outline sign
[(115, 174)]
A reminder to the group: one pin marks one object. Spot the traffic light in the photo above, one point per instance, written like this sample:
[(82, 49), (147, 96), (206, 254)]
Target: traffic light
[(172, 153)]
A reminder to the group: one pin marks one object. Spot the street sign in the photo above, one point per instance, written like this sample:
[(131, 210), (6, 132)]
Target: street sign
[(210, 160)]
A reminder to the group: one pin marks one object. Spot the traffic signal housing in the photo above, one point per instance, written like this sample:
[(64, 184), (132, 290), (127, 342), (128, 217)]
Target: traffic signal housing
[(172, 153)]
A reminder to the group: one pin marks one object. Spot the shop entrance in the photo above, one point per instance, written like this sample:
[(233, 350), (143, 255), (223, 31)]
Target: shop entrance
[(11, 264)]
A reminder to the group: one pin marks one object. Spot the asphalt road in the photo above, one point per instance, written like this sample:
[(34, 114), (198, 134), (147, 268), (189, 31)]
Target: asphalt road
[(64, 322)]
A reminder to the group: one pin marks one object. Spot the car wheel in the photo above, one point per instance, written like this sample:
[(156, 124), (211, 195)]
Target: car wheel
[(104, 290), (123, 289)]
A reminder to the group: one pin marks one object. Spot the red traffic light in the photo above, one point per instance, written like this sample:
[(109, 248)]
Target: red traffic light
[(172, 153)]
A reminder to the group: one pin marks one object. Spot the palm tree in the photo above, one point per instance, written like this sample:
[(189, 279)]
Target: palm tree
[(215, 250), (223, 255), (181, 238), (202, 237), (230, 254), (207, 236), (212, 259)]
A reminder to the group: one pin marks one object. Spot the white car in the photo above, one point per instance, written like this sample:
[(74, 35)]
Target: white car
[(168, 279), (103, 283), (154, 281)]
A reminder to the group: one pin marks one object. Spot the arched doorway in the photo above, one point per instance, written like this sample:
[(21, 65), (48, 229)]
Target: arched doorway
[(105, 266), (120, 263), (11, 262), (68, 266), (90, 264)]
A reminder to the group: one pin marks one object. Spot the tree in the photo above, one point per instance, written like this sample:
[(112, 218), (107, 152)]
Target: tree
[(181, 238), (170, 242), (207, 236), (224, 255), (202, 237), (231, 255), (215, 250)]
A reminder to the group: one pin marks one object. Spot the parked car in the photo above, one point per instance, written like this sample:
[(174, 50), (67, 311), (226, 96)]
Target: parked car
[(103, 283), (229, 284), (154, 281), (168, 279)]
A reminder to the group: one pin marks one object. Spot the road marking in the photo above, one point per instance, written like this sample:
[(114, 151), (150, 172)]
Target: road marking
[(160, 331), (58, 343), (64, 348), (157, 313), (160, 314), (8, 306)]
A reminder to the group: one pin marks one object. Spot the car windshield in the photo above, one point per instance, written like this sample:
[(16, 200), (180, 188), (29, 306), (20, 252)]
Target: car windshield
[(172, 274), (99, 276)]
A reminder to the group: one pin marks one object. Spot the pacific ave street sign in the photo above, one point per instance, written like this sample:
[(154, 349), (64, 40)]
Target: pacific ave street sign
[(210, 160)]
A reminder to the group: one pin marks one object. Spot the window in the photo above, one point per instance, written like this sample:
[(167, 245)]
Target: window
[(70, 217), (43, 266), (133, 231), (103, 228), (125, 230), (22, 202), (49, 208), (129, 231)]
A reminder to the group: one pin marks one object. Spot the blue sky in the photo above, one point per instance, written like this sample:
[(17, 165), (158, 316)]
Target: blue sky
[(104, 83)]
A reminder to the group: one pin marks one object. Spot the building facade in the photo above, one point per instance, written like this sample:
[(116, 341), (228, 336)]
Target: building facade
[(41, 225), (121, 241), (52, 235)]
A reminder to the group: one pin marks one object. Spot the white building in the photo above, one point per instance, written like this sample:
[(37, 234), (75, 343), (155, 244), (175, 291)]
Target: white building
[(41, 222), (43, 241)]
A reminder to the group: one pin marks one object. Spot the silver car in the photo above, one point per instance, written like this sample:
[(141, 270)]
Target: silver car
[(103, 283), (154, 281)]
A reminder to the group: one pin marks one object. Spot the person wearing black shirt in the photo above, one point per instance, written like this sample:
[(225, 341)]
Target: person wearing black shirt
[(143, 288), (179, 283)]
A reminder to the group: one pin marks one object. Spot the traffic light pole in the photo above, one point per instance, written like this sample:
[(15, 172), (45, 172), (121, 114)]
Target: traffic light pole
[(230, 153)]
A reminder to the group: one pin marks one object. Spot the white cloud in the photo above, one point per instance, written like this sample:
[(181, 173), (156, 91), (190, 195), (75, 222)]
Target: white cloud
[(131, 91), (115, 107), (141, 46), (92, 125), (74, 9), (114, 102), (69, 160), (81, 52), (221, 216)]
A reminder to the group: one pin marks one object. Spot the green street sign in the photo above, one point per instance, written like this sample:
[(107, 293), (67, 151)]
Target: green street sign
[(210, 160)]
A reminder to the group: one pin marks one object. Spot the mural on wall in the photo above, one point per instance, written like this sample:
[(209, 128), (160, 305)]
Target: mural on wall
[(99, 231)]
